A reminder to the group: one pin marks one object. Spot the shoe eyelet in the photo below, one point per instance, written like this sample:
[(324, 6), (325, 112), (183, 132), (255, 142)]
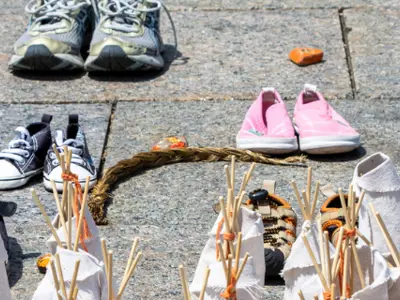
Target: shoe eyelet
[(22, 162), (54, 163), (27, 155)]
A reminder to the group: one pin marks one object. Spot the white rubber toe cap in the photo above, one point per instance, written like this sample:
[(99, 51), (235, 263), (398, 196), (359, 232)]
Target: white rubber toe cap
[(8, 170), (78, 170)]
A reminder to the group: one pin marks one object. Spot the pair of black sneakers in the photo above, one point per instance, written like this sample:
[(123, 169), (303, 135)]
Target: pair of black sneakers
[(31, 153)]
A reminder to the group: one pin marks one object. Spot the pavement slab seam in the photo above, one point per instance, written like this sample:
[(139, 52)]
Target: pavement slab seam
[(345, 31), (103, 156)]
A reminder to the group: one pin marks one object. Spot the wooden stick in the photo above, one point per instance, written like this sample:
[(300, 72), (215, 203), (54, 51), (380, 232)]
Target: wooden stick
[(306, 203), (243, 184), (392, 248), (60, 210), (57, 153), (109, 275), (316, 297), (55, 279), (360, 201), (46, 217), (239, 203), (228, 280), (314, 261), (130, 273), (328, 268), (229, 206), (246, 257), (69, 215), (233, 172), (222, 254), (344, 206), (185, 288), (205, 281), (249, 173), (314, 204), (235, 222), (60, 275), (350, 203), (297, 194), (364, 238), (82, 214), (104, 251), (238, 248), (308, 193), (75, 294), (346, 266), (73, 281), (300, 293), (337, 253), (131, 254), (228, 177), (227, 228), (358, 264), (321, 247), (333, 287)]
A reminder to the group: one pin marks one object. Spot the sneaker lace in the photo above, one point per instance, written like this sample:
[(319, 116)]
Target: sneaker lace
[(52, 11), (18, 149), (124, 14), (75, 146)]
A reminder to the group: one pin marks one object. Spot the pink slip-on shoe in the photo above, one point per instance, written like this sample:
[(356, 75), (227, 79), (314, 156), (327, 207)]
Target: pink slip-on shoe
[(321, 129), (267, 127)]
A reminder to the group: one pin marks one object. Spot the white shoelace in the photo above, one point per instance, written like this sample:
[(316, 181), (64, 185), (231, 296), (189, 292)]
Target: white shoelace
[(18, 149), (131, 10), (73, 145), (54, 9)]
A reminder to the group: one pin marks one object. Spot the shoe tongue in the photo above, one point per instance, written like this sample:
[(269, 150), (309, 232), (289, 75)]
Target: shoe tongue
[(59, 138), (23, 134)]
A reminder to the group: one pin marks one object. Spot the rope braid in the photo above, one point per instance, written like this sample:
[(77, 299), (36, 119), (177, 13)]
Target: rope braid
[(153, 159)]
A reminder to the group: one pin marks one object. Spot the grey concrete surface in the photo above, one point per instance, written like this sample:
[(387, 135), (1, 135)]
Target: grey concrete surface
[(374, 42), (224, 55)]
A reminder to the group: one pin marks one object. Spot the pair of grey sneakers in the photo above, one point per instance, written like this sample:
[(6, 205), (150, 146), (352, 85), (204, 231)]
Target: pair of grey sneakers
[(125, 36)]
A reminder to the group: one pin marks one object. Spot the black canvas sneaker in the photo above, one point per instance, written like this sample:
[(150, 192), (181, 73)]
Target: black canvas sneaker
[(26, 154), (81, 162)]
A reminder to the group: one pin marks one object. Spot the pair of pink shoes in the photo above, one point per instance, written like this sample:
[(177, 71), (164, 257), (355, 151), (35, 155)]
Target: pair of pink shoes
[(267, 126)]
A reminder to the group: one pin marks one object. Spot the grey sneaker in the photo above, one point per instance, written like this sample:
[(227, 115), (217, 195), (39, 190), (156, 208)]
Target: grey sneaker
[(54, 35), (127, 36)]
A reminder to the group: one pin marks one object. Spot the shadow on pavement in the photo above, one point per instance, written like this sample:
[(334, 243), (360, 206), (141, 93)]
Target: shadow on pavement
[(50, 76), (349, 156), (171, 57)]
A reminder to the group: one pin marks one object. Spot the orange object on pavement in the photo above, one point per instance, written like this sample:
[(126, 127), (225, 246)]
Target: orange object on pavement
[(42, 262), (171, 142), (306, 56)]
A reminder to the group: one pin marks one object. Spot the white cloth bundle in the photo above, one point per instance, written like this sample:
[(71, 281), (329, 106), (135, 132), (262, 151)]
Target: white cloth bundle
[(378, 177), (4, 285), (378, 276), (299, 272), (93, 244), (91, 280), (251, 282)]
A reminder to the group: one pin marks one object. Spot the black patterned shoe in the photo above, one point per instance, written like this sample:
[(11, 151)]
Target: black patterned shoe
[(279, 228), (26, 154)]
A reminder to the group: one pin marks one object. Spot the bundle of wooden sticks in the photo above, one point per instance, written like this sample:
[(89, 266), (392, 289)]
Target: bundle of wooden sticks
[(66, 209)]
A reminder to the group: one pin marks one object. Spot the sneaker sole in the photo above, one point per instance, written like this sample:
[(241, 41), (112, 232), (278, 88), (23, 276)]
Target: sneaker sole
[(268, 145), (114, 59), (12, 183), (329, 144), (60, 184), (40, 58)]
